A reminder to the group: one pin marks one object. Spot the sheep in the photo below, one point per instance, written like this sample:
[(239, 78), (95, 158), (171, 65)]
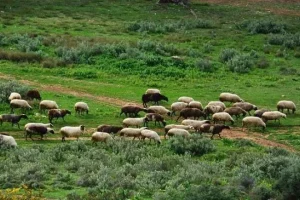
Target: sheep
[(281, 105), (217, 129), (47, 125), (56, 113), (109, 128), (37, 129), (170, 126), (156, 97), (196, 124), (232, 98), (212, 109), (260, 112), (156, 118), (47, 105), (222, 116), (14, 119), (159, 110), (246, 106), (19, 103), (237, 111), (142, 121), (14, 95), (71, 131), (272, 115), (81, 107), (132, 111), (7, 140), (178, 106), (253, 121), (204, 128), (185, 99), (33, 94), (178, 132), (152, 91), (132, 132), (195, 104), (101, 137), (217, 103), (150, 135), (191, 112)]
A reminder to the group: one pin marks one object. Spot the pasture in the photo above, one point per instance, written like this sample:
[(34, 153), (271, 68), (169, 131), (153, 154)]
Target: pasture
[(107, 53)]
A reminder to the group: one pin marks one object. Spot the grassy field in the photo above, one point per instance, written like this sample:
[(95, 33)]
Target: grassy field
[(107, 53)]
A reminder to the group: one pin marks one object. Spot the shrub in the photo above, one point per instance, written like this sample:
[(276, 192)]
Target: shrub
[(228, 54), (205, 65), (288, 71), (195, 145), (276, 39), (207, 48), (11, 86), (265, 27), (263, 63), (240, 64)]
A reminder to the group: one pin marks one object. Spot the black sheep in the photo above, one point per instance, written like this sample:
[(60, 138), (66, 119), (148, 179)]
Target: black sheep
[(39, 130), (218, 128), (109, 129), (14, 119), (156, 97), (33, 94), (131, 110)]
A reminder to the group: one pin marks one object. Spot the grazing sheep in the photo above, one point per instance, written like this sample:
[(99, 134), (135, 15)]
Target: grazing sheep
[(131, 132), (14, 95), (156, 97), (236, 111), (185, 99), (47, 105), (272, 115), (232, 98), (217, 103), (19, 103), (33, 94), (195, 104), (281, 105), (47, 125), (245, 106), (8, 141), (37, 130), (152, 91), (191, 112), (196, 124), (159, 110), (132, 111), (81, 107), (156, 118), (222, 116), (211, 109), (260, 112), (205, 128), (101, 137), (178, 132), (253, 121), (138, 122), (217, 129), (177, 106), (14, 119), (56, 113), (109, 128), (71, 131), (150, 135), (170, 126)]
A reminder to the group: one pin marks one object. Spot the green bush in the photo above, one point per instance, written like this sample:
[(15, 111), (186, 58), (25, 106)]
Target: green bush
[(205, 65), (276, 39), (241, 64), (265, 27), (228, 54), (288, 71), (263, 63), (6, 88)]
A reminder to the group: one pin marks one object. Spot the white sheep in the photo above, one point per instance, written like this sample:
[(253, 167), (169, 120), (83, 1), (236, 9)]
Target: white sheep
[(185, 99), (150, 135), (196, 104), (178, 132), (132, 132), (101, 137), (217, 103), (8, 141), (222, 116), (48, 104), (71, 131), (212, 109), (152, 91), (14, 95), (272, 115), (19, 103), (159, 110), (177, 106), (47, 125), (253, 121), (170, 126), (232, 98), (196, 124), (81, 107), (281, 105), (138, 122)]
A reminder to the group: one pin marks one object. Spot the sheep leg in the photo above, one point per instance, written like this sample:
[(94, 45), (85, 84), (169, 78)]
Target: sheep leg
[(63, 139), (212, 137), (219, 135)]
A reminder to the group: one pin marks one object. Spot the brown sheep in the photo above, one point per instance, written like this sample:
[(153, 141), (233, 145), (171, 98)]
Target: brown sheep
[(56, 113), (218, 128), (33, 94), (156, 118), (131, 110), (246, 106), (191, 112), (109, 128), (236, 111)]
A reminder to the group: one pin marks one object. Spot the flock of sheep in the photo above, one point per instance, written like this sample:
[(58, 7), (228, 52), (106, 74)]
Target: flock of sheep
[(133, 126)]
